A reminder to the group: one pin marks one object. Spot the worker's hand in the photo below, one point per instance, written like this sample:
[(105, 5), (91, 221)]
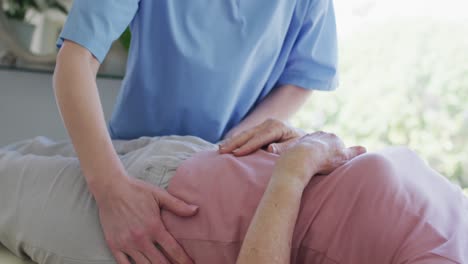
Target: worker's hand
[(316, 153), (273, 134), (131, 221)]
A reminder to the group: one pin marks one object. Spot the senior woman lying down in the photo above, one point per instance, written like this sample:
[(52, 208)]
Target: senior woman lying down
[(305, 199)]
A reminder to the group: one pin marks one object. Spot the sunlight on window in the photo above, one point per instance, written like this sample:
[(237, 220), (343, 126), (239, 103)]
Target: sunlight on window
[(404, 80)]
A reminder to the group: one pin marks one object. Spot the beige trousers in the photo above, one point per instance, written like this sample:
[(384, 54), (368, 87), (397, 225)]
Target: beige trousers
[(46, 211)]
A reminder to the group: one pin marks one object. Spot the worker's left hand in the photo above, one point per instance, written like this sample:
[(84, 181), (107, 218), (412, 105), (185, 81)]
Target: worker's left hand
[(273, 134)]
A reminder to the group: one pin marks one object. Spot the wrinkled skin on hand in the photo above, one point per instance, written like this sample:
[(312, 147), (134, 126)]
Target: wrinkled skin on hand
[(318, 152)]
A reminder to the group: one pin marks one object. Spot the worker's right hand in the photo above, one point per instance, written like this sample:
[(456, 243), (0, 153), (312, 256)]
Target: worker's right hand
[(129, 212)]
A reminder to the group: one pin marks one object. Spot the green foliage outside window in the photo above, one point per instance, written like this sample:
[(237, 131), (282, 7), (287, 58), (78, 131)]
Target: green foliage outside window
[(402, 83)]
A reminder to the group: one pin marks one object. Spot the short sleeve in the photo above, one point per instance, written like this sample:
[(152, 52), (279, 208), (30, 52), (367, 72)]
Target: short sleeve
[(96, 24), (313, 61)]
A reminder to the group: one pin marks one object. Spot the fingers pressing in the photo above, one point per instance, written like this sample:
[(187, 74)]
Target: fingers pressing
[(279, 148), (154, 255), (231, 144), (138, 257), (253, 138), (175, 205), (121, 258), (172, 249), (256, 142)]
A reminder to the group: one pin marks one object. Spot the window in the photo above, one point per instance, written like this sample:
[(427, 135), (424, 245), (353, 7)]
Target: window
[(404, 81)]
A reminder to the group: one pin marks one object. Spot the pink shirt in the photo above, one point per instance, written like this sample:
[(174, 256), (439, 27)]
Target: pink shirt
[(386, 207)]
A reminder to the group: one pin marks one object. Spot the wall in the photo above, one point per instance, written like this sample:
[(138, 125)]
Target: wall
[(28, 109)]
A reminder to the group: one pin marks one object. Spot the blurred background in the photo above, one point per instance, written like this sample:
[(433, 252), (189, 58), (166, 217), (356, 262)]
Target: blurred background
[(29, 31), (404, 80), (404, 77)]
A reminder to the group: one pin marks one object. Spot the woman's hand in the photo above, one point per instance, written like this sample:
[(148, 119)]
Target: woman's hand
[(131, 221), (272, 133), (316, 153), (268, 239)]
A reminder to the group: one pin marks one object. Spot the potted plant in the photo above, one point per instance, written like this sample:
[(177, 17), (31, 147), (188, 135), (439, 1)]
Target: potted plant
[(16, 11)]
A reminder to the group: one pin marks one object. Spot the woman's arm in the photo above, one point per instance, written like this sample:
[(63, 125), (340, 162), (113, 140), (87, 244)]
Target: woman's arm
[(269, 236)]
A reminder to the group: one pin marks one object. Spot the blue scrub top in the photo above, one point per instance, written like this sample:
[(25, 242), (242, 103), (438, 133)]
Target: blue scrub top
[(198, 67)]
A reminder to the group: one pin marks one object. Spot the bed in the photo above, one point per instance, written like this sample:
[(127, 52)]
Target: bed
[(6, 257)]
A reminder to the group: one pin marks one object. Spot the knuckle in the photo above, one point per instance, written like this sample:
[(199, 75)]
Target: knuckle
[(269, 130), (156, 191), (136, 235), (279, 123), (341, 156), (124, 239), (241, 134), (317, 134), (320, 145), (111, 243), (270, 120)]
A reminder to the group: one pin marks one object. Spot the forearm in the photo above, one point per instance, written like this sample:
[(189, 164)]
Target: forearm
[(281, 104), (79, 103), (269, 236)]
